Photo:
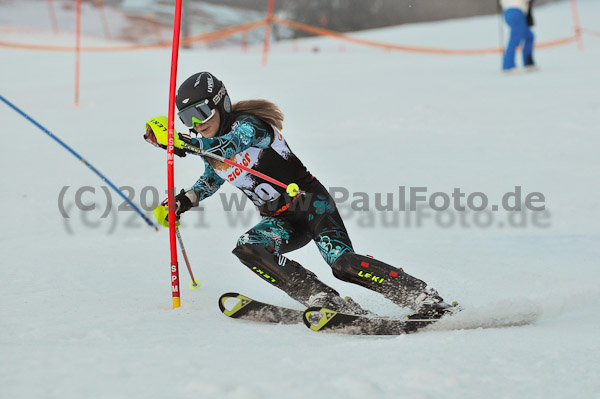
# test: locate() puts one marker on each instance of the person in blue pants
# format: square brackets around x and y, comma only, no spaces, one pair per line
[517,14]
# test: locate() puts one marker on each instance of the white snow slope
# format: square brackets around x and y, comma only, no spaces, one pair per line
[86,303]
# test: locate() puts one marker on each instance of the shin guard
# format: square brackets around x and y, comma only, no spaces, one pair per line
[283,273]
[393,283]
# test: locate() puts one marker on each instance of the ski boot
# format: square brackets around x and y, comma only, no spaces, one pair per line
[430,305]
[337,304]
[298,282]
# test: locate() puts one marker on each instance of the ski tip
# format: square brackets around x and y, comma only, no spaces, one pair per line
[242,301]
[224,297]
[316,318]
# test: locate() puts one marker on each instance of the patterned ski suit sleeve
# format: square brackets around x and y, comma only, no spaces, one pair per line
[208,184]
[248,131]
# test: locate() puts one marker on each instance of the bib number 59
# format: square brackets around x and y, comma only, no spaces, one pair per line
[262,193]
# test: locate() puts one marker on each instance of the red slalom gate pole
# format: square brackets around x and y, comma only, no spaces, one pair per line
[103,19]
[576,24]
[53,16]
[245,42]
[150,17]
[268,23]
[171,158]
[77,51]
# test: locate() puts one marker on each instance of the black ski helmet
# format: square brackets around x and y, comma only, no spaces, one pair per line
[204,86]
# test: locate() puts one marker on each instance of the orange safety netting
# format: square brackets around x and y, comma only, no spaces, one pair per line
[214,35]
[233,30]
[373,43]
[555,43]
[413,49]
[591,32]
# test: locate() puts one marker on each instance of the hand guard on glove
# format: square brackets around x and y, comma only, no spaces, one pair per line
[157,134]
[184,201]
[151,138]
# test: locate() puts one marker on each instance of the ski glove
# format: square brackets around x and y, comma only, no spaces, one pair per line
[158,127]
[151,138]
[161,213]
[183,202]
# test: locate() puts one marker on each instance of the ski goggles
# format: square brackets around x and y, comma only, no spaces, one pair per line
[196,113]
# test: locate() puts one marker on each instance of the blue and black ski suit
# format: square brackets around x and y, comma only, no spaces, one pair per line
[289,223]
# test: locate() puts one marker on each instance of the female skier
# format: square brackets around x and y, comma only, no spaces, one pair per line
[248,133]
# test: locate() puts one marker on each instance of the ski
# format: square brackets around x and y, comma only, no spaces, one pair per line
[328,321]
[325,320]
[249,309]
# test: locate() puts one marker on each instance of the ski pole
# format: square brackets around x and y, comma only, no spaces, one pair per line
[89,165]
[159,123]
[292,188]
[194,284]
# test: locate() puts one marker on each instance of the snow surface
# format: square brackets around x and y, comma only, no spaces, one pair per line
[86,302]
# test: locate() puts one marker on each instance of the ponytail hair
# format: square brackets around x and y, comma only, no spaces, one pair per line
[262,109]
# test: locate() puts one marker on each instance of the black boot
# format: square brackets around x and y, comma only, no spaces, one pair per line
[299,283]
[397,286]
[337,304]
[430,305]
